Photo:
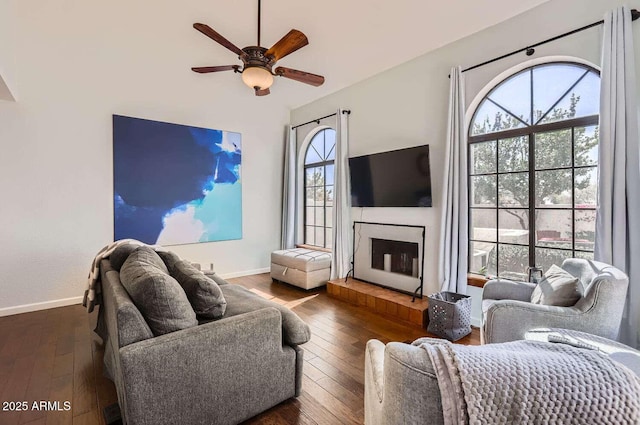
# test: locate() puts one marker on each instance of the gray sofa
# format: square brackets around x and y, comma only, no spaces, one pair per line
[507,313]
[220,372]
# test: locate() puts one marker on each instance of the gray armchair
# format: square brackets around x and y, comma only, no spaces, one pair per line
[507,313]
[401,386]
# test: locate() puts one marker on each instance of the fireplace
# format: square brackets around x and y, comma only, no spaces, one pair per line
[389,255]
[395,256]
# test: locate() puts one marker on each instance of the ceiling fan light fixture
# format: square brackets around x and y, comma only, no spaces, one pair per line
[257,76]
[257,61]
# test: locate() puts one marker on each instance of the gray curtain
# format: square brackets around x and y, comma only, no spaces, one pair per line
[289,192]
[452,270]
[618,216]
[342,232]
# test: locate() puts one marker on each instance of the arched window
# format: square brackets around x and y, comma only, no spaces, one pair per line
[318,188]
[533,152]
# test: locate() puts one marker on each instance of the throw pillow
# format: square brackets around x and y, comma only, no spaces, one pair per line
[120,255]
[203,293]
[558,288]
[158,296]
[168,257]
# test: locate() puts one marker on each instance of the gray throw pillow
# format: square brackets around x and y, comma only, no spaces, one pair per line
[294,330]
[158,296]
[120,255]
[203,293]
[558,288]
[169,258]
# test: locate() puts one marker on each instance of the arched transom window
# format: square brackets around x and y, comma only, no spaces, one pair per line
[318,188]
[533,151]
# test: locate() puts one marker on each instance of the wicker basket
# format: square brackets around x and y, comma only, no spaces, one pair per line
[449,315]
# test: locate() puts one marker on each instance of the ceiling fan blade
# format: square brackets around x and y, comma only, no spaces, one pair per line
[215,36]
[302,76]
[288,44]
[207,69]
[262,92]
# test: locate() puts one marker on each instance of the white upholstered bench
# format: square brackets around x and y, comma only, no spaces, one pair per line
[301,267]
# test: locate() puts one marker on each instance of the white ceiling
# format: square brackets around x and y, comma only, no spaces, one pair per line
[152,43]
[349,40]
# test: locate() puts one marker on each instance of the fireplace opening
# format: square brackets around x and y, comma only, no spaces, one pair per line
[395,256]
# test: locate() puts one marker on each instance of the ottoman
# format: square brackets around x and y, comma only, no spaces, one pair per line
[301,267]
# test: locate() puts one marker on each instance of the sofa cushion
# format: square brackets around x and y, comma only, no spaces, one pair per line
[240,300]
[203,293]
[159,297]
[120,255]
[558,288]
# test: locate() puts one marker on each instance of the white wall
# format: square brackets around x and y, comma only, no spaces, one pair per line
[407,105]
[5,92]
[72,65]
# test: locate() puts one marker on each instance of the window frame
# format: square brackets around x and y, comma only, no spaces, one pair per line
[323,163]
[528,131]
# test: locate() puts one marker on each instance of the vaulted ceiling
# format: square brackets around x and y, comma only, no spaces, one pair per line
[152,43]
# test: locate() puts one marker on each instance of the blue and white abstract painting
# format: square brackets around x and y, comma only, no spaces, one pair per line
[175,184]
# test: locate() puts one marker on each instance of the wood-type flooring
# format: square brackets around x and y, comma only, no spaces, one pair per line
[53,355]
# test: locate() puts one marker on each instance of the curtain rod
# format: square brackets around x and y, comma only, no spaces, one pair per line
[635,14]
[317,120]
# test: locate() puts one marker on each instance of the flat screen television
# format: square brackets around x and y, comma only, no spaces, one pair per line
[399,178]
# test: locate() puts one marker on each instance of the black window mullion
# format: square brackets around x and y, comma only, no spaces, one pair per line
[562,97]
[324,206]
[510,244]
[497,154]
[538,128]
[469,204]
[573,191]
[304,213]
[314,148]
[318,164]
[497,209]
[531,93]
[507,111]
[324,145]
[532,197]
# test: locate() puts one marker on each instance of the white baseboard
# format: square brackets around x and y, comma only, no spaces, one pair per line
[245,273]
[476,321]
[8,311]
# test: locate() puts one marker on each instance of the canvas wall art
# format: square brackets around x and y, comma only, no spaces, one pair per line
[175,184]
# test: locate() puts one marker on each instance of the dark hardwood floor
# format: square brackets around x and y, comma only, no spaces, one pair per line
[53,355]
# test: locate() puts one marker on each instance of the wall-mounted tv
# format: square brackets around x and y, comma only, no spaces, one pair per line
[399,178]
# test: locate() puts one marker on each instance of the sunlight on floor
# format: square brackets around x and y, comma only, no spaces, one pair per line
[289,304]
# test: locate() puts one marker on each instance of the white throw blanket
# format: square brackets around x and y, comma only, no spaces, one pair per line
[91,294]
[531,382]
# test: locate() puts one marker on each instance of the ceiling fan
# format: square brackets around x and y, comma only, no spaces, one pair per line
[257,61]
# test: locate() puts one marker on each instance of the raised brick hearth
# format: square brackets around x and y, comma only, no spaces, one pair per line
[383,301]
